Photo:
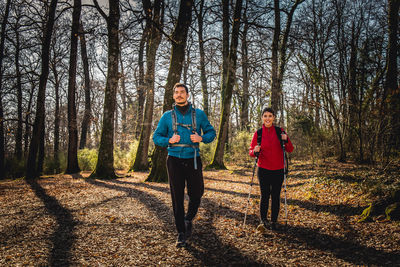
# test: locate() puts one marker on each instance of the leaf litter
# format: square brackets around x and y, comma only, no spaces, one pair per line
[63,220]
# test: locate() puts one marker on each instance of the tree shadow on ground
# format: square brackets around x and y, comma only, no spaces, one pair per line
[14,234]
[345,249]
[205,240]
[63,237]
[166,190]
[225,180]
[205,244]
[339,209]
[160,210]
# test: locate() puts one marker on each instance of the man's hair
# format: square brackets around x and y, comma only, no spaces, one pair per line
[181,85]
[269,109]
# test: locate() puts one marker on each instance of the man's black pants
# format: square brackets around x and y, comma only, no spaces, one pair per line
[181,172]
[270,185]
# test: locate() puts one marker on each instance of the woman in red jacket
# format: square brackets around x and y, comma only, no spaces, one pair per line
[270,165]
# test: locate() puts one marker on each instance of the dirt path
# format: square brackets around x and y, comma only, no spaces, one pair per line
[62,221]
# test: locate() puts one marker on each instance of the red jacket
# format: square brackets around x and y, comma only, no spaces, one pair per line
[271,156]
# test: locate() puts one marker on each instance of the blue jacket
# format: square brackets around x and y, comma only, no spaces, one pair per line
[165,131]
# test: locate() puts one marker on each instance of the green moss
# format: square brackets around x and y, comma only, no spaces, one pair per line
[393,211]
[366,214]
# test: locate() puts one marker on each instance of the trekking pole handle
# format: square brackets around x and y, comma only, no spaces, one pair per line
[257,154]
[286,139]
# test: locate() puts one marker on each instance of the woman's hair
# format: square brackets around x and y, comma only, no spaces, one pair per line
[270,110]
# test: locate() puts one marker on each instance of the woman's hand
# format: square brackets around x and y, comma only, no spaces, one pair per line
[257,148]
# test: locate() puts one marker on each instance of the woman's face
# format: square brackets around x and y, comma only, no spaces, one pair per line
[268,118]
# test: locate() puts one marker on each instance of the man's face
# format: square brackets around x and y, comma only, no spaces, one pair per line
[180,96]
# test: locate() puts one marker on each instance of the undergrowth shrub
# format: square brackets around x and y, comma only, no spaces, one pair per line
[14,168]
[239,149]
[123,159]
[87,159]
[207,152]
[52,166]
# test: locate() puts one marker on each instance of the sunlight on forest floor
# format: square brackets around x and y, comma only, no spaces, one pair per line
[69,220]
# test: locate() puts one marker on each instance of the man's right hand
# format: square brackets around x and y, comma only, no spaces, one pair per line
[174,139]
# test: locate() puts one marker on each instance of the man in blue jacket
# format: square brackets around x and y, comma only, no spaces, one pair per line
[181,130]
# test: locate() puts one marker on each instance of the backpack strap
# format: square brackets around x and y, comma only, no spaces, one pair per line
[174,121]
[259,136]
[194,123]
[282,142]
[278,131]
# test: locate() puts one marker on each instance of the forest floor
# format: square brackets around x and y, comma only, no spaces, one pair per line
[68,220]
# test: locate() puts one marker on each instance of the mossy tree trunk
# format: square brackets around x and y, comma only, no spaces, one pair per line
[179,37]
[38,126]
[105,162]
[72,160]
[141,162]
[227,90]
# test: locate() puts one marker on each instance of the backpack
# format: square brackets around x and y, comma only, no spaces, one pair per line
[187,126]
[278,131]
[175,122]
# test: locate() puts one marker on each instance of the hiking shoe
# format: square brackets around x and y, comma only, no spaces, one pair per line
[181,242]
[188,227]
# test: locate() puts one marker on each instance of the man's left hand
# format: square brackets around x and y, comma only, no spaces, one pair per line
[196,138]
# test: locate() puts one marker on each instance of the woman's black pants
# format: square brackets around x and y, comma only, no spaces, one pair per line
[270,185]
[181,172]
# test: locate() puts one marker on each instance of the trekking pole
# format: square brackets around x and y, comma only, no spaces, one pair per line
[284,178]
[251,186]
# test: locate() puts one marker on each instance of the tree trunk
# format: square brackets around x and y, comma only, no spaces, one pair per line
[203,76]
[124,109]
[283,58]
[56,121]
[244,100]
[353,91]
[218,158]
[27,134]
[87,113]
[3,37]
[391,85]
[275,92]
[105,162]
[18,136]
[31,171]
[141,162]
[72,161]
[179,37]
[141,88]
[225,44]
[41,153]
